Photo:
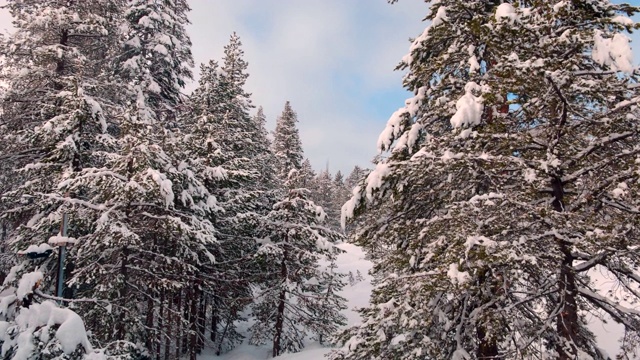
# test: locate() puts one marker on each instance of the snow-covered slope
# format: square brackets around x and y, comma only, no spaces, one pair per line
[356,293]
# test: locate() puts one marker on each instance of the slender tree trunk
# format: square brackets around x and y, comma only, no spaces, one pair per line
[149,323]
[201,320]
[170,319]
[193,322]
[277,338]
[186,311]
[487,344]
[488,347]
[178,322]
[214,319]
[567,319]
[125,291]
[222,336]
[161,317]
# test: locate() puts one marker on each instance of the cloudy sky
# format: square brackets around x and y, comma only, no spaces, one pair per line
[333,59]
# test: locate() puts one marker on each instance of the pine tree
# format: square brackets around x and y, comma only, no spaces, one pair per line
[324,195]
[296,295]
[329,302]
[157,50]
[503,123]
[266,160]
[237,144]
[151,234]
[54,112]
[355,177]
[341,194]
[303,178]
[287,146]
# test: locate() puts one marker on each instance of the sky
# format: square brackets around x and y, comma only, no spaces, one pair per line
[333,59]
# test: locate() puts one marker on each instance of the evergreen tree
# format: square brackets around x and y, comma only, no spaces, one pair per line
[503,123]
[324,195]
[266,160]
[329,302]
[304,178]
[156,54]
[54,113]
[354,178]
[149,213]
[238,147]
[341,194]
[296,295]
[287,146]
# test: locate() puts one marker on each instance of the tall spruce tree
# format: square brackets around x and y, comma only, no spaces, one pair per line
[287,146]
[54,113]
[149,213]
[157,49]
[266,160]
[324,195]
[237,145]
[530,111]
[296,297]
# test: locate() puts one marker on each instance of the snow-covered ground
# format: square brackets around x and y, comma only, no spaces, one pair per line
[357,296]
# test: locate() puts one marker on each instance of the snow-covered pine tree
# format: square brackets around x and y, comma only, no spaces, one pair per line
[329,302]
[529,111]
[153,233]
[355,177]
[157,49]
[324,194]
[287,146]
[238,144]
[266,160]
[296,296]
[304,178]
[54,112]
[341,194]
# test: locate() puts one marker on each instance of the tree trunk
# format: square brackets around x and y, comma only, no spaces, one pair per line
[149,322]
[158,338]
[277,338]
[214,319]
[170,317]
[567,319]
[202,313]
[186,311]
[125,291]
[193,323]
[488,347]
[178,322]
[487,344]
[224,333]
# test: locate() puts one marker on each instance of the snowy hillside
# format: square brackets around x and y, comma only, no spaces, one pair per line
[357,295]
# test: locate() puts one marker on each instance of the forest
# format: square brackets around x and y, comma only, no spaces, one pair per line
[500,217]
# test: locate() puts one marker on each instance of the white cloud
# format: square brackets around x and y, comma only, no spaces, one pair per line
[307,52]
